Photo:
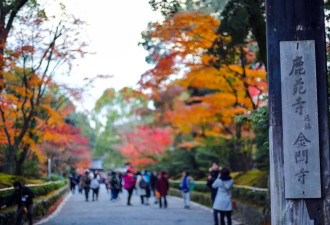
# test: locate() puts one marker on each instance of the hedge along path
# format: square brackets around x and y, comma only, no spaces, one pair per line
[42,206]
[235,186]
[33,185]
[38,189]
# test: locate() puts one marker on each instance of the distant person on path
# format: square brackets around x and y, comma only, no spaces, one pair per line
[213,175]
[162,186]
[223,202]
[141,186]
[78,182]
[95,186]
[120,179]
[115,186]
[147,176]
[23,197]
[129,184]
[153,180]
[72,180]
[84,183]
[185,184]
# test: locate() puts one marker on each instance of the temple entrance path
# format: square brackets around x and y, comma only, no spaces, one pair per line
[76,211]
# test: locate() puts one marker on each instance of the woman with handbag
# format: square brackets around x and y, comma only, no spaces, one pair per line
[223,203]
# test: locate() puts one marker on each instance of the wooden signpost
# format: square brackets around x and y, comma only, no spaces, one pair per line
[300,120]
[298,109]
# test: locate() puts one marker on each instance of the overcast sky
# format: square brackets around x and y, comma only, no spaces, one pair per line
[114,30]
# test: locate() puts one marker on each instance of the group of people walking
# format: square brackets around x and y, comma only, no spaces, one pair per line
[155,186]
[147,185]
[91,181]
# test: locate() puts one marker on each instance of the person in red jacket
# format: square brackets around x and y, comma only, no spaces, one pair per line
[129,185]
[162,187]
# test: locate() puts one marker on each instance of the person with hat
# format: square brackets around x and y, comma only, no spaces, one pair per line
[23,197]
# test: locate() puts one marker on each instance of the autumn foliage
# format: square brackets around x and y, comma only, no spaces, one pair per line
[142,146]
[33,106]
[216,91]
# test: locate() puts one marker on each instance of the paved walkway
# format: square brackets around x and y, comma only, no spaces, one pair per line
[103,212]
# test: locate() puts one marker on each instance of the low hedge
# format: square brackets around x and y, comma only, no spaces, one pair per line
[257,198]
[41,207]
[253,178]
[201,198]
[254,197]
[200,186]
[37,190]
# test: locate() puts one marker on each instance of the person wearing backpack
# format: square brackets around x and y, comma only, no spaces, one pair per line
[95,186]
[141,186]
[146,175]
[186,186]
[115,186]
[84,183]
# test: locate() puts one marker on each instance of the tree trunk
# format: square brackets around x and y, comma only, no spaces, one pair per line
[20,161]
[10,160]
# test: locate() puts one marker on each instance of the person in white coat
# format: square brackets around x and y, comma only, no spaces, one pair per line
[141,186]
[223,203]
[95,186]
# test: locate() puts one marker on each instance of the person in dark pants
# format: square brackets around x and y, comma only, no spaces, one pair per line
[95,186]
[223,203]
[129,184]
[153,180]
[114,185]
[162,187]
[213,175]
[72,183]
[23,197]
[85,182]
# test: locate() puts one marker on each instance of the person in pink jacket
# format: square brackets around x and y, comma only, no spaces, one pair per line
[129,184]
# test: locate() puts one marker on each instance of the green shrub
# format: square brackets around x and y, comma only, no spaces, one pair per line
[201,194]
[257,198]
[37,190]
[253,178]
[7,180]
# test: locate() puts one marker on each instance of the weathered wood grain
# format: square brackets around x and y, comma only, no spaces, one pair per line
[289,20]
